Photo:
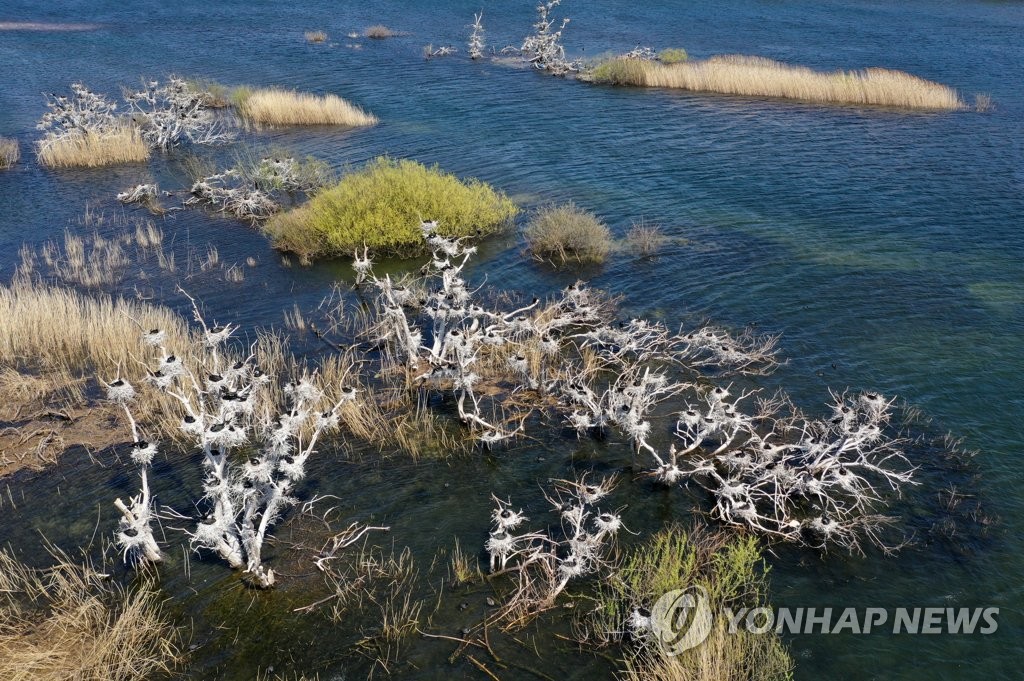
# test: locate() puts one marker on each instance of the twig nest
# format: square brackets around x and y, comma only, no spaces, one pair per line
[120,391]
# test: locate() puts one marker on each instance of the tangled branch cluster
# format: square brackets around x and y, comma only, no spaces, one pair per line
[255,446]
[544,47]
[248,191]
[476,38]
[166,115]
[544,562]
[174,112]
[774,471]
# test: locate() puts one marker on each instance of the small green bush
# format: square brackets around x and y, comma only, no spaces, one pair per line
[673,55]
[567,233]
[619,71]
[381,206]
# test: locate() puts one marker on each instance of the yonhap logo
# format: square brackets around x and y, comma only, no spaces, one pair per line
[681,619]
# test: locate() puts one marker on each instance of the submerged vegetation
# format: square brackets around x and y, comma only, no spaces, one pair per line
[760,77]
[381,206]
[277,107]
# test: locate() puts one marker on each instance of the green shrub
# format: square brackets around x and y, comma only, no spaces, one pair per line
[619,71]
[567,233]
[673,55]
[381,206]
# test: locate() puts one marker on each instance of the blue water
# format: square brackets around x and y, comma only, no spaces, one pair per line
[885,246]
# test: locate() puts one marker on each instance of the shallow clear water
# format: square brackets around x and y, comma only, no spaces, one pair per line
[884,246]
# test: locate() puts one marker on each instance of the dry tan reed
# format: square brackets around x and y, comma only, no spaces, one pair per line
[761,77]
[9,152]
[316,36]
[286,107]
[94,149]
[379,32]
[53,331]
[68,624]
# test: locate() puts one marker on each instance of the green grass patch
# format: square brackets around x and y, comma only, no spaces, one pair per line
[619,71]
[731,571]
[381,206]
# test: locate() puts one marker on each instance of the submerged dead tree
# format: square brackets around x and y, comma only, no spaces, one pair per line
[255,436]
[544,47]
[476,38]
[174,112]
[255,190]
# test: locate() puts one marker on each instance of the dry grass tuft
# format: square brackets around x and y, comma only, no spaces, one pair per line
[463,568]
[316,36]
[379,32]
[274,106]
[567,233]
[9,152]
[761,77]
[94,149]
[67,623]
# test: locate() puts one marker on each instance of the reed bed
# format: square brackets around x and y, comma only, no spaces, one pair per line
[57,331]
[276,107]
[9,152]
[761,77]
[91,149]
[65,623]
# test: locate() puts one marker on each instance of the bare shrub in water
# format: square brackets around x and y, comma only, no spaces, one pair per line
[543,48]
[566,234]
[476,38]
[768,467]
[645,239]
[316,36]
[379,32]
[227,405]
[83,130]
[172,113]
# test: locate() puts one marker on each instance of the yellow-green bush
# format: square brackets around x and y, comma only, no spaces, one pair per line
[619,71]
[672,55]
[382,204]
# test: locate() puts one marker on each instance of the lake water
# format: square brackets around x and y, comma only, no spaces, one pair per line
[884,246]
